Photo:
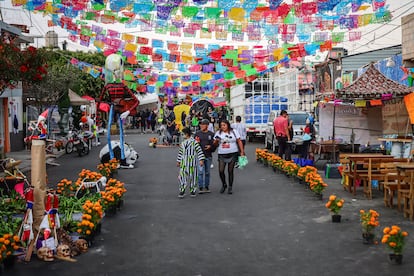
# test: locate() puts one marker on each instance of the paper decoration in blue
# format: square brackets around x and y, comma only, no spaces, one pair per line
[157,43]
[250,5]
[142,8]
[182,67]
[226,5]
[274,4]
[200,2]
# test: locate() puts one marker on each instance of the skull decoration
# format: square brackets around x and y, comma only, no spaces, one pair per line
[45,254]
[82,245]
[63,251]
[114,68]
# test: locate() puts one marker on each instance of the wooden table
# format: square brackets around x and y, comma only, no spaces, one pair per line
[356,158]
[325,150]
[402,170]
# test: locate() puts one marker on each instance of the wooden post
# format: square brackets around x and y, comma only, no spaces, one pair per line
[38,179]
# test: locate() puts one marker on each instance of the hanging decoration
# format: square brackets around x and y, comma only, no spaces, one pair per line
[292,30]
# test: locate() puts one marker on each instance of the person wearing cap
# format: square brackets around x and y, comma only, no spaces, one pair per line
[206,138]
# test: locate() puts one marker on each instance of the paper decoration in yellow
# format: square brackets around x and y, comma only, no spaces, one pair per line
[360,103]
[237,14]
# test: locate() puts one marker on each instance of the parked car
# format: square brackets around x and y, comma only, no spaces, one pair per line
[299,123]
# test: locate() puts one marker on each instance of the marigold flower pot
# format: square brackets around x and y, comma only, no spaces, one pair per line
[119,204]
[368,238]
[395,258]
[319,196]
[336,218]
[9,262]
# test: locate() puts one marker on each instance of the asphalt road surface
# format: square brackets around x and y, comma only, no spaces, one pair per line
[270,225]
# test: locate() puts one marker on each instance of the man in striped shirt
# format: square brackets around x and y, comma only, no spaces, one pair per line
[189,154]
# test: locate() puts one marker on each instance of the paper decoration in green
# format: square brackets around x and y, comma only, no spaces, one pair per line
[290,18]
[212,13]
[228,75]
[189,11]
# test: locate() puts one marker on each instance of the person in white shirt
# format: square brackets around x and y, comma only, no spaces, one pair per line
[241,129]
[228,142]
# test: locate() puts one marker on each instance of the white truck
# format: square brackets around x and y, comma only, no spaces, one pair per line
[254,101]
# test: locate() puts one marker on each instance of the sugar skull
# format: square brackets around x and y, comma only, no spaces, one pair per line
[82,245]
[63,251]
[114,68]
[45,254]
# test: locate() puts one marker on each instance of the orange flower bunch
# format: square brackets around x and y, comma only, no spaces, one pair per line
[66,187]
[303,171]
[394,238]
[335,204]
[8,244]
[316,183]
[290,167]
[261,154]
[89,175]
[113,193]
[92,215]
[369,220]
[106,169]
[59,145]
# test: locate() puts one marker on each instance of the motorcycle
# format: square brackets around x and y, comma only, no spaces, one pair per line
[70,138]
[81,141]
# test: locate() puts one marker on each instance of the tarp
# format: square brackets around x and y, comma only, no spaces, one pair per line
[147,98]
[201,106]
[373,85]
[75,99]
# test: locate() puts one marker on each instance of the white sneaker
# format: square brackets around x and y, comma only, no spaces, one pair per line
[212,166]
[128,166]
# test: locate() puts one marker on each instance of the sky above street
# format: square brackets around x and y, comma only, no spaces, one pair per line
[375,36]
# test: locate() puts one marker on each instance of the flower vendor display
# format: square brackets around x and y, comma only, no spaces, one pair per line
[394,239]
[316,183]
[304,171]
[66,187]
[91,218]
[108,169]
[9,243]
[153,142]
[369,221]
[335,205]
[276,162]
[112,196]
[290,168]
[261,155]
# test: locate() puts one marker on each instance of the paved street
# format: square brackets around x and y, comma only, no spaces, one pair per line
[269,226]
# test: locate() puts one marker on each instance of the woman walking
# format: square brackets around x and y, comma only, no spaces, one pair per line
[228,142]
[189,154]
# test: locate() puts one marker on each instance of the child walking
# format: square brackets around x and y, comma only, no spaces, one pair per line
[189,154]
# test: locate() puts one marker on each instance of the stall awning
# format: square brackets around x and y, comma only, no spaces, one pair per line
[75,99]
[373,85]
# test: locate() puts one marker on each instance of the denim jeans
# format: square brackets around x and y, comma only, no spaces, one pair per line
[204,173]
